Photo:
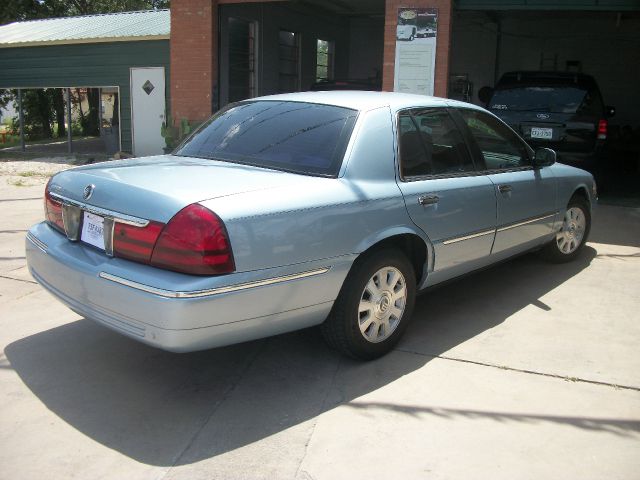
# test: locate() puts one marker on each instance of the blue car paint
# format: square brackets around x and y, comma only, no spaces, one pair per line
[281,224]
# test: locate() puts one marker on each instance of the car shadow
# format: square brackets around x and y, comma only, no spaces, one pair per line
[174,409]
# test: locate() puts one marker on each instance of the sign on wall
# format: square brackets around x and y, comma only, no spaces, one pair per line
[416,33]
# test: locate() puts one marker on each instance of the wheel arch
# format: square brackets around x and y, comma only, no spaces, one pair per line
[415,245]
[582,192]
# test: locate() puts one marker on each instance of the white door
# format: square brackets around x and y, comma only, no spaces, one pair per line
[147,110]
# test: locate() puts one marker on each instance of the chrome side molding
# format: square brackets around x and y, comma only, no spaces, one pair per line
[212,291]
[531,220]
[37,242]
[468,237]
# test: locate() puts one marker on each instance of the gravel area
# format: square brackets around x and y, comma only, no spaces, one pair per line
[27,173]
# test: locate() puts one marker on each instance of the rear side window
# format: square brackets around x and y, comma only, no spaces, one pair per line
[291,136]
[430,144]
[547,98]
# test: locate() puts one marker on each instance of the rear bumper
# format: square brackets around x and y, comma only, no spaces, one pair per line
[178,312]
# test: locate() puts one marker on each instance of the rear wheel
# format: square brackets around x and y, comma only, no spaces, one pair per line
[570,239]
[374,306]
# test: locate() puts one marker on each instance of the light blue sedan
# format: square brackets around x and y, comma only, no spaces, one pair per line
[288,211]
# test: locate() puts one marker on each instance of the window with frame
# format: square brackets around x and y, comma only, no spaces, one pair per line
[289,62]
[324,60]
[242,59]
[431,144]
[500,147]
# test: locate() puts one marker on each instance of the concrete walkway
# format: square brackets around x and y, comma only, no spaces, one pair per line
[524,371]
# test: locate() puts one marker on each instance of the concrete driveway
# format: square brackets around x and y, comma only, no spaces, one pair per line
[524,371]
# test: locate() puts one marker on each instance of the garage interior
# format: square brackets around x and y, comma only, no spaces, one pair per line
[603,44]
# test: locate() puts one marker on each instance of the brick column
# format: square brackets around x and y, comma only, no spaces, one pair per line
[443,41]
[194,59]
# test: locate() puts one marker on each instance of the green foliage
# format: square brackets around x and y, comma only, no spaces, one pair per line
[19,10]
[174,135]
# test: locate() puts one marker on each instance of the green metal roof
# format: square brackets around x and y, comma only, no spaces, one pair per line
[110,27]
[580,5]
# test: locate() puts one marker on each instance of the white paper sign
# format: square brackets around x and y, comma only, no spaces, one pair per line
[415,61]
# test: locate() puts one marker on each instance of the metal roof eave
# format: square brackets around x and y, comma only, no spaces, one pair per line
[76,41]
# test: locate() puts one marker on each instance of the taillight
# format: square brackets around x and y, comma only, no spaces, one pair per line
[135,243]
[602,129]
[194,241]
[53,209]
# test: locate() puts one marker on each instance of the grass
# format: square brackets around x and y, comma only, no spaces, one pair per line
[17,183]
[31,173]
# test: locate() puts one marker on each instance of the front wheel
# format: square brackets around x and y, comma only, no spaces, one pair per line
[374,306]
[571,238]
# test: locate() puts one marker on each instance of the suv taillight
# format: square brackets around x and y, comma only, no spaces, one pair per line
[53,209]
[602,129]
[195,241]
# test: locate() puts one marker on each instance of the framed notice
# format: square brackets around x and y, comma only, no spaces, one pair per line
[416,34]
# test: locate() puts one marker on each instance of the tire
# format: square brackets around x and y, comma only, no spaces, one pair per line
[385,282]
[570,240]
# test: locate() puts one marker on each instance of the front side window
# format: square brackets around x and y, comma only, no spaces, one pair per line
[291,136]
[500,147]
[430,144]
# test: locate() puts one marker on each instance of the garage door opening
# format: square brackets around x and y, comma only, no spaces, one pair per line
[605,45]
[82,120]
[279,47]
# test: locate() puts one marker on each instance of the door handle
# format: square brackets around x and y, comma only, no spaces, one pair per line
[504,188]
[428,199]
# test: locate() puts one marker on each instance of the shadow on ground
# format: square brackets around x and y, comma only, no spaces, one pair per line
[168,409]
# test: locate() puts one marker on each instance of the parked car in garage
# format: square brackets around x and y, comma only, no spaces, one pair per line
[559,110]
[406,32]
[288,211]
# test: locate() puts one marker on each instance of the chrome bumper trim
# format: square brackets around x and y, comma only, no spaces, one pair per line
[468,237]
[508,227]
[212,291]
[37,242]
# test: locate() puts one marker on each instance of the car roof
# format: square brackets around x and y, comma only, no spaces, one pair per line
[365,100]
[528,77]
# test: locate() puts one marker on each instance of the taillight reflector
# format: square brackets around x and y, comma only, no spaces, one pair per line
[194,241]
[602,129]
[53,210]
[135,243]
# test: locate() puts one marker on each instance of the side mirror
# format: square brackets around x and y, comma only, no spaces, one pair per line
[544,157]
[609,111]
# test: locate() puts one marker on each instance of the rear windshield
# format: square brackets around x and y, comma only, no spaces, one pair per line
[556,99]
[292,136]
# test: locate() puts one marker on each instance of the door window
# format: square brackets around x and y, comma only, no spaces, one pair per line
[500,147]
[430,144]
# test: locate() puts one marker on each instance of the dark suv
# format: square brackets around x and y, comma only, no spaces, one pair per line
[559,110]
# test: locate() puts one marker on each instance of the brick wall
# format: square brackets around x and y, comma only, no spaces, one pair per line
[193,58]
[442,47]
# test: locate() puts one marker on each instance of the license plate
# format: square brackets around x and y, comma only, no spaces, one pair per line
[92,228]
[545,133]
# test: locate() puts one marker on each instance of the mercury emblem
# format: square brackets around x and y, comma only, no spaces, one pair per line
[88,191]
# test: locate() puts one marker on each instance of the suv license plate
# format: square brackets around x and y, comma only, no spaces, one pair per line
[545,133]
[92,228]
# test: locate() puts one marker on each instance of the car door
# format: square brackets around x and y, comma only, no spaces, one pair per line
[526,197]
[443,191]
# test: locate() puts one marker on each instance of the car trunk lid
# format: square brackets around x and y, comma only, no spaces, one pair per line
[155,188]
